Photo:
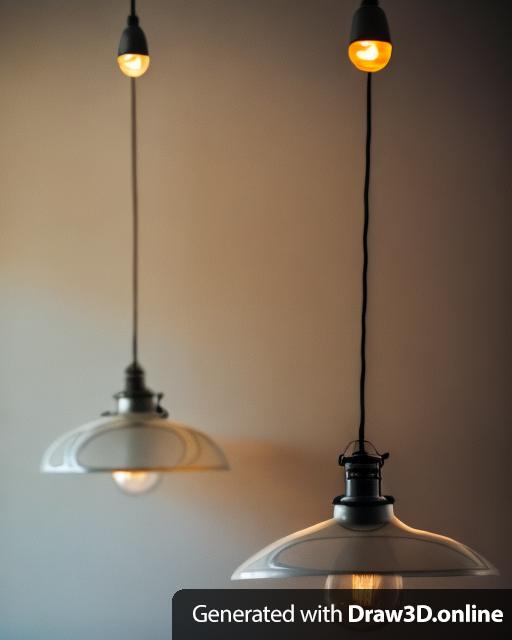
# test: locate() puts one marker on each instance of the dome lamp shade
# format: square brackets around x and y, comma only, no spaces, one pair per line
[364,537]
[137,437]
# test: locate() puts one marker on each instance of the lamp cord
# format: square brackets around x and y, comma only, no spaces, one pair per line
[135,222]
[362,383]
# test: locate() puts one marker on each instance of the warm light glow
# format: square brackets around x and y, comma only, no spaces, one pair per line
[133,64]
[368,589]
[135,482]
[370,55]
[366,581]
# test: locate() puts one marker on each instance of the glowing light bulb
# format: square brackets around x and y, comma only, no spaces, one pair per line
[133,65]
[135,482]
[366,589]
[370,55]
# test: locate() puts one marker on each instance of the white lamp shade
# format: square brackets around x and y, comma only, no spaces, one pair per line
[333,548]
[133,442]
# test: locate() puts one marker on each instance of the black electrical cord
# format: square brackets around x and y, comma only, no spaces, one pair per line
[135,223]
[362,383]
[132,3]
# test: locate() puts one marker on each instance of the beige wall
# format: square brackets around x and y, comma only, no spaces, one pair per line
[251,134]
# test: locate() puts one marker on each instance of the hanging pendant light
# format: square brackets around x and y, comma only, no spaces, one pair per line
[136,441]
[370,41]
[133,53]
[364,546]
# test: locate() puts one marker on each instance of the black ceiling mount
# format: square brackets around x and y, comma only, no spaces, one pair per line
[370,23]
[136,397]
[363,477]
[133,39]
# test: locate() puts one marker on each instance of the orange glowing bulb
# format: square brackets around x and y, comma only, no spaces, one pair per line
[133,65]
[370,55]
[367,589]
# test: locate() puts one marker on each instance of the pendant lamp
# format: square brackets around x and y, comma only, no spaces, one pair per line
[364,546]
[136,441]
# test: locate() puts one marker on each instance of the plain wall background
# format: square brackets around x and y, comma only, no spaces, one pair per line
[251,125]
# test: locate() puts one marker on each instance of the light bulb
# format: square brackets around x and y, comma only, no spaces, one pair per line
[133,65]
[369,590]
[135,482]
[370,55]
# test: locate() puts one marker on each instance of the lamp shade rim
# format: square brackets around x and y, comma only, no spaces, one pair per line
[133,442]
[332,548]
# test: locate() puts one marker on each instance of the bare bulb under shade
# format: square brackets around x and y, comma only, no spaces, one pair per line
[370,55]
[369,590]
[133,65]
[135,483]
